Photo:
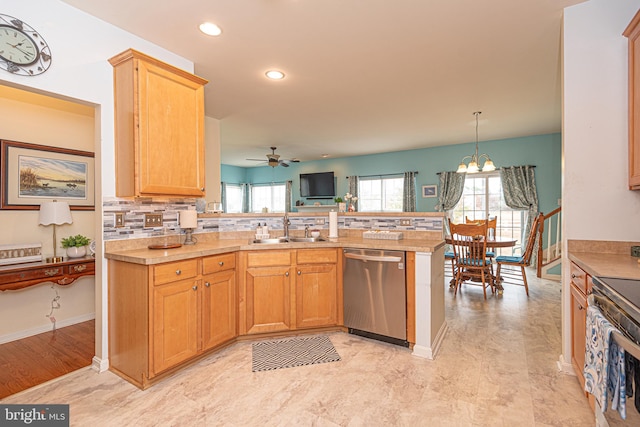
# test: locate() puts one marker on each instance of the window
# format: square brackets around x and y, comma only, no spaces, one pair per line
[270,196]
[482,198]
[377,194]
[233,196]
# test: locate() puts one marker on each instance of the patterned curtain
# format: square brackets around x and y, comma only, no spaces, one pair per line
[353,189]
[519,189]
[246,197]
[287,197]
[451,188]
[409,192]
[223,195]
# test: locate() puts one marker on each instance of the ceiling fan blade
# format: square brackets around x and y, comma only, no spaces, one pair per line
[283,163]
[256,160]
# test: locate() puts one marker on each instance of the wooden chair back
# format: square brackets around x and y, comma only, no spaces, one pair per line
[491,224]
[469,243]
[531,240]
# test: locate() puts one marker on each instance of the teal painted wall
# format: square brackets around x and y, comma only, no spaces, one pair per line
[543,151]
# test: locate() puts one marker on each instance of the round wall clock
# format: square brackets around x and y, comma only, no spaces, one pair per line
[23,51]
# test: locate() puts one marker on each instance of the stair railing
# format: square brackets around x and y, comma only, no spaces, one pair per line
[549,250]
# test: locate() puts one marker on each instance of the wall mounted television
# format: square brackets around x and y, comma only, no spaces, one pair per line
[320,185]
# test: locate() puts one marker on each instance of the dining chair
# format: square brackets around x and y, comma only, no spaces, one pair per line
[469,243]
[521,261]
[491,225]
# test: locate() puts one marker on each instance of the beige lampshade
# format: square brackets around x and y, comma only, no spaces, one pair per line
[57,213]
[189,219]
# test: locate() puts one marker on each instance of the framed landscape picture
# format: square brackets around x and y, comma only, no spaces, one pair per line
[33,174]
[429,191]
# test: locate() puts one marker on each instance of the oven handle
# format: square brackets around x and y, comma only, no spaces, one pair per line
[628,345]
[620,339]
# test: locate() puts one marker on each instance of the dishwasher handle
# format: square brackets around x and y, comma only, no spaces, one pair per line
[373,257]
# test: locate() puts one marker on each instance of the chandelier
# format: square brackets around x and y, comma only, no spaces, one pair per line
[473,166]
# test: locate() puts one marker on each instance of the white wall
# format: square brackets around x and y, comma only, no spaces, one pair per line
[596,202]
[80,71]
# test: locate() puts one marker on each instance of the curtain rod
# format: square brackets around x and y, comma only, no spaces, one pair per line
[531,166]
[382,174]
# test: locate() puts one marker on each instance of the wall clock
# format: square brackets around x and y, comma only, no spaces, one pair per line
[23,51]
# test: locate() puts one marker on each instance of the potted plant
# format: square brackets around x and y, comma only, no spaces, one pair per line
[76,246]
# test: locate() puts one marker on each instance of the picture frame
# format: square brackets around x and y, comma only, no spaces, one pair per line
[32,174]
[429,191]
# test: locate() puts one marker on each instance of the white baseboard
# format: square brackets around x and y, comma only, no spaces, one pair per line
[564,367]
[431,352]
[99,365]
[45,328]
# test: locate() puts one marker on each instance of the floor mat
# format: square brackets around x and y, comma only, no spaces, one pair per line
[290,352]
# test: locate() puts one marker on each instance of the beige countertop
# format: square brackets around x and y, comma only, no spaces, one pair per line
[212,247]
[607,265]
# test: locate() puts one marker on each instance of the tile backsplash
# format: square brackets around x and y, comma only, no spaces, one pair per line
[134,211]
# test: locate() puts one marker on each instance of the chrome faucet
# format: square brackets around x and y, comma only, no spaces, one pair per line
[286,223]
[306,231]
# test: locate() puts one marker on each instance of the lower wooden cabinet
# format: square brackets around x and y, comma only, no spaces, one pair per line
[288,289]
[580,287]
[163,315]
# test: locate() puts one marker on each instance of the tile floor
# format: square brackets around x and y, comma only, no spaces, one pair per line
[497,367]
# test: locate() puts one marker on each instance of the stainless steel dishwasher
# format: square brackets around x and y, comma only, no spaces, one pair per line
[375,296]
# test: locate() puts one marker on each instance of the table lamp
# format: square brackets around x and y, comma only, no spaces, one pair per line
[56,213]
[189,221]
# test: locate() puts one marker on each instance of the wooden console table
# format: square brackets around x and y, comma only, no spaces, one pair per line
[18,276]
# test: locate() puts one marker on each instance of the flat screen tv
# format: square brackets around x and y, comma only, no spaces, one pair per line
[317,185]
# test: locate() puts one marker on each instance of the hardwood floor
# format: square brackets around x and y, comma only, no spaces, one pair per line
[34,360]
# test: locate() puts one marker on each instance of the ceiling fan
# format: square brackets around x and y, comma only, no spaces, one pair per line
[274,159]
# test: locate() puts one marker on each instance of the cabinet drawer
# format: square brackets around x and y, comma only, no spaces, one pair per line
[214,264]
[172,271]
[85,267]
[317,256]
[579,278]
[268,258]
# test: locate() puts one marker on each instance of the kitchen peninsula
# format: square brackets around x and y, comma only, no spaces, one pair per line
[170,307]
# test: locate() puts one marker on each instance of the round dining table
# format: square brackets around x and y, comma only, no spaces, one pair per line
[493,243]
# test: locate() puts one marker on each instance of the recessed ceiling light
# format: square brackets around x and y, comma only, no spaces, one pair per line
[210,29]
[275,74]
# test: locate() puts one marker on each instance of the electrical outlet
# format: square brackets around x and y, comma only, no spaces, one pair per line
[406,221]
[319,221]
[119,219]
[635,251]
[152,220]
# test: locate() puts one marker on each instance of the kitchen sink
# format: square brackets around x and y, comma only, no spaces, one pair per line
[288,240]
[305,239]
[271,241]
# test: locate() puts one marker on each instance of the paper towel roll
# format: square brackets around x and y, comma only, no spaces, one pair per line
[333,224]
[189,219]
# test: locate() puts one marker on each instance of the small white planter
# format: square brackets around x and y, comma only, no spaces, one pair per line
[76,251]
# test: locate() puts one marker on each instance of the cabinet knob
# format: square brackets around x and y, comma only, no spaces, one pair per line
[178,272]
[299,272]
[221,263]
[286,274]
[202,189]
[194,287]
[580,307]
[207,284]
[573,276]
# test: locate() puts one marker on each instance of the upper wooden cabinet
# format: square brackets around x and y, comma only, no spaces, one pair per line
[633,33]
[159,116]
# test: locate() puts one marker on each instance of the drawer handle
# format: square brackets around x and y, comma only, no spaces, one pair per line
[51,272]
[221,263]
[178,272]
[194,287]
[207,284]
[79,268]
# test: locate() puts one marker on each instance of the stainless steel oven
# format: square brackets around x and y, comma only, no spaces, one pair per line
[619,301]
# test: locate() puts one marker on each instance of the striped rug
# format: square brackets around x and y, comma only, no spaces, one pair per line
[290,352]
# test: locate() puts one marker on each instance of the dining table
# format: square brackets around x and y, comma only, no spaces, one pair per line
[492,243]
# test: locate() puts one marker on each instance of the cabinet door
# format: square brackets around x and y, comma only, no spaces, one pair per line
[171,133]
[316,295]
[219,318]
[578,331]
[175,323]
[268,299]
